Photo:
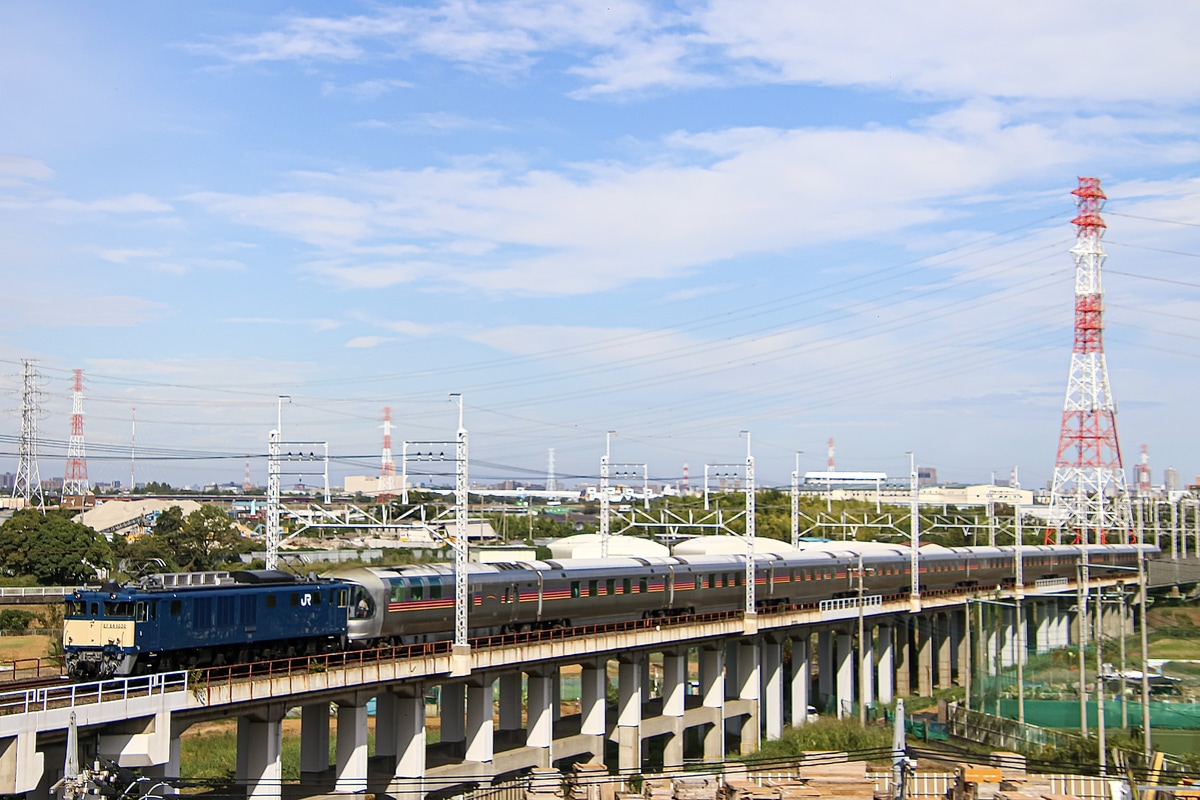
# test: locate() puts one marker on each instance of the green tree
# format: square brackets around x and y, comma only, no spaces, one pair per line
[206,538]
[52,548]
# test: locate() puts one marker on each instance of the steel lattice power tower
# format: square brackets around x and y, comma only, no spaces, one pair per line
[75,479]
[387,467]
[28,482]
[1089,499]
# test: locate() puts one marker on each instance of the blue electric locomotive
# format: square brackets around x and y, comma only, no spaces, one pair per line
[167,622]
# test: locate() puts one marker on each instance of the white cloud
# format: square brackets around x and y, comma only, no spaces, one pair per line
[69,310]
[940,48]
[18,171]
[364,91]
[711,196]
[363,342]
[123,255]
[126,204]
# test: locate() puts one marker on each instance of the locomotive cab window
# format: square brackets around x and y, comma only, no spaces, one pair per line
[139,612]
[177,608]
[362,604]
[118,609]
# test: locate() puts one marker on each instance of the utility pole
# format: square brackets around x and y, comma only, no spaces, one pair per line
[604,499]
[914,600]
[1081,607]
[461,497]
[1022,641]
[1147,742]
[796,503]
[751,603]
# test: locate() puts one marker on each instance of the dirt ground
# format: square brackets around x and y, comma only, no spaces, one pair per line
[13,648]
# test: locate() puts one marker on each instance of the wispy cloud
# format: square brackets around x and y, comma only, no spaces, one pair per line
[363,342]
[315,324]
[942,49]
[435,123]
[364,91]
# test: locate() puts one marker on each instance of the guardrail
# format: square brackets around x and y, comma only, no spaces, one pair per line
[846,607]
[117,689]
[54,592]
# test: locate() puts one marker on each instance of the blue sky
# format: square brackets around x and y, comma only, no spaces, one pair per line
[672,220]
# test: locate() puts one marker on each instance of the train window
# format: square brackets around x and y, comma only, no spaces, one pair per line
[72,609]
[627,586]
[574,589]
[593,588]
[177,607]
[95,610]
[610,587]
[643,586]
[294,599]
[316,598]
[738,579]
[154,610]
[792,576]
[270,601]
[435,589]
[712,581]
[343,598]
[416,591]
[139,612]
[398,593]
[118,609]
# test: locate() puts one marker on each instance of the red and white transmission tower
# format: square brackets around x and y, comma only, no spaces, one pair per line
[831,461]
[75,479]
[1142,472]
[387,469]
[1089,498]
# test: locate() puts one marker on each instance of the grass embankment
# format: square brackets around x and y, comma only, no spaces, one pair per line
[873,742]
[208,752]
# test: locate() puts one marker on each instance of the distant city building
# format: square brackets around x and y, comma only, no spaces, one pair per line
[1171,480]
[927,476]
[7,481]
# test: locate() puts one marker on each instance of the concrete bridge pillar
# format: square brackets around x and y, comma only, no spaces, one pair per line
[629,712]
[674,688]
[900,637]
[924,655]
[748,689]
[511,701]
[260,743]
[772,687]
[169,772]
[844,662]
[1008,637]
[556,695]
[351,746]
[539,731]
[887,665]
[866,664]
[314,741]
[959,619]
[480,730]
[991,641]
[712,689]
[801,678]
[408,778]
[593,699]
[945,663]
[825,665]
[454,710]
[385,725]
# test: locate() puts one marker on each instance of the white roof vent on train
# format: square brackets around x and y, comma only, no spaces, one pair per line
[730,545]
[587,545]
